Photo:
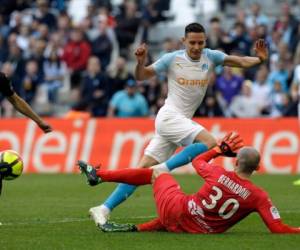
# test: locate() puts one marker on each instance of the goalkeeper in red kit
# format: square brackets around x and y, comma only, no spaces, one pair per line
[225,198]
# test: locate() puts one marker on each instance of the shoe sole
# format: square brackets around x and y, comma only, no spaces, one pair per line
[83,170]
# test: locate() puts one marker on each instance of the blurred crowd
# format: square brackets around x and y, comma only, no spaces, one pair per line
[70,69]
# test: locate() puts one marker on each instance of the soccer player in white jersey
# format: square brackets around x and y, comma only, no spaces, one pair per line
[188,73]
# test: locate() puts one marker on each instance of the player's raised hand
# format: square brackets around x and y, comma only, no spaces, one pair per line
[261,50]
[230,144]
[141,54]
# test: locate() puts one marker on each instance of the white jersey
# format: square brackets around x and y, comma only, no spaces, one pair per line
[187,78]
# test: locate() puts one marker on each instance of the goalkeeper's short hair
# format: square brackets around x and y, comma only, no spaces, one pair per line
[248,159]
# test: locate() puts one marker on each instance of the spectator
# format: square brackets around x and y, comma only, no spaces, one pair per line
[54,72]
[282,53]
[128,102]
[256,17]
[102,46]
[210,107]
[30,81]
[7,108]
[9,71]
[4,28]
[216,37]
[168,46]
[43,14]
[295,88]
[289,106]
[42,32]
[76,51]
[3,50]
[37,53]
[287,25]
[16,59]
[245,104]
[240,41]
[95,89]
[281,75]
[127,25]
[118,75]
[277,99]
[261,89]
[228,85]
[23,37]
[152,13]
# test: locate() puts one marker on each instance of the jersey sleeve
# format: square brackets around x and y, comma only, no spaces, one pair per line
[163,63]
[201,165]
[271,217]
[216,56]
[5,86]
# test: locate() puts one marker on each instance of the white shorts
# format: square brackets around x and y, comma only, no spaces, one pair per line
[171,131]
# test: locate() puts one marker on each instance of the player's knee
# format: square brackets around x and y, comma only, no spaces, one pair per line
[207,139]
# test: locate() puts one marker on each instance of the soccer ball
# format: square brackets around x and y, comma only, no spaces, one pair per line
[15,161]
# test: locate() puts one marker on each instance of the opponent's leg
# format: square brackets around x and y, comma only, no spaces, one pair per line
[100,214]
[157,151]
[202,142]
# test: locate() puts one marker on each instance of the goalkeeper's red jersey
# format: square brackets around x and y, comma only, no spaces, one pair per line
[221,202]
[225,199]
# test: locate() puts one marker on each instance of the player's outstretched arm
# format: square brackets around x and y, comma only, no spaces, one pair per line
[23,107]
[261,51]
[271,217]
[141,71]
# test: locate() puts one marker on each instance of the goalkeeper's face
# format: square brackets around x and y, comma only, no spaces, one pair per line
[194,44]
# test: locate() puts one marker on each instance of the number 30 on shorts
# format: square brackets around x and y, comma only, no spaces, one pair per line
[214,199]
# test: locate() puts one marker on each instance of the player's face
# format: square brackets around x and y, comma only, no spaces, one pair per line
[194,43]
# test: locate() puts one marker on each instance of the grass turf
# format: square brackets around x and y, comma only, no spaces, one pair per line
[50,212]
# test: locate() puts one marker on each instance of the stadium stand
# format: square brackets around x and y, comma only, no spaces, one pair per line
[45,47]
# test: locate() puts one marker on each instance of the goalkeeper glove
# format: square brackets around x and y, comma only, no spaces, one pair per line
[230,144]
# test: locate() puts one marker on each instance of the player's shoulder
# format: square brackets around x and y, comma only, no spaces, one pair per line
[172,54]
[211,52]
[216,56]
[259,193]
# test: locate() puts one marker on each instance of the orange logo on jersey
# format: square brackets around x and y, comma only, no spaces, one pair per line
[198,82]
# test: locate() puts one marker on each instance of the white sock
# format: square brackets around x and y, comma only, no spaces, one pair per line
[162,167]
[105,209]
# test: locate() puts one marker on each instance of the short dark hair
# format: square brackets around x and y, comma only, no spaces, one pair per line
[215,20]
[194,27]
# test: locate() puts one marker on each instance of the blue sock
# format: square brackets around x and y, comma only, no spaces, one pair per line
[186,155]
[120,194]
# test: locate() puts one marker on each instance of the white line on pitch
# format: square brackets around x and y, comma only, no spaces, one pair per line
[68,220]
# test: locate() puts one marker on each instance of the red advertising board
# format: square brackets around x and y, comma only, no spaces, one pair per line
[119,143]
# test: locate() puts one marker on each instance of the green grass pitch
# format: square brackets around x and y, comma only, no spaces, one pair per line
[50,212]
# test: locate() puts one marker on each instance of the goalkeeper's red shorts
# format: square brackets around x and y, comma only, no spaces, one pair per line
[169,201]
